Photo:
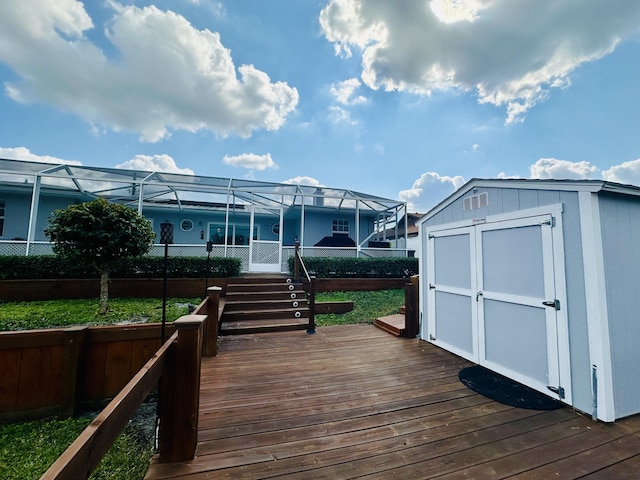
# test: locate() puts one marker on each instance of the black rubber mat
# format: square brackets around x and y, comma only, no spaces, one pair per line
[504,390]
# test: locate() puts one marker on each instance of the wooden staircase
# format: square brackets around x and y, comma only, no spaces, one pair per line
[259,304]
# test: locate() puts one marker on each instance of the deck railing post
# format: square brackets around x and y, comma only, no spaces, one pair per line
[312,305]
[74,344]
[411,308]
[181,393]
[296,262]
[211,325]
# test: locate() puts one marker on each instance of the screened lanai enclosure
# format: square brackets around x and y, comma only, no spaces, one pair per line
[258,222]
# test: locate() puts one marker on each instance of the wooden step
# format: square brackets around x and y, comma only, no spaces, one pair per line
[265,326]
[249,315]
[393,324]
[247,305]
[259,287]
[258,296]
[256,304]
[263,278]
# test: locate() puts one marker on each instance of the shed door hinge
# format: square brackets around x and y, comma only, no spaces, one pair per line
[430,236]
[557,390]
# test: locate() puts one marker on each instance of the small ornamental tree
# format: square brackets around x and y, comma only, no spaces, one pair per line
[98,233]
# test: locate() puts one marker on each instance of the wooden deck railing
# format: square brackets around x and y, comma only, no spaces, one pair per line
[175,369]
[177,366]
[60,371]
[311,289]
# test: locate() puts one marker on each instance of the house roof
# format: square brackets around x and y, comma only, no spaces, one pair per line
[160,189]
[412,230]
[593,186]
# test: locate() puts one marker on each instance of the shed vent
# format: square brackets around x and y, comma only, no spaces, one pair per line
[476,201]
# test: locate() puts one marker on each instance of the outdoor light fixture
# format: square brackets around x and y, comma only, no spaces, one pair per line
[166,232]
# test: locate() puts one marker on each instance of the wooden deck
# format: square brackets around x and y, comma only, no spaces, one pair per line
[356,402]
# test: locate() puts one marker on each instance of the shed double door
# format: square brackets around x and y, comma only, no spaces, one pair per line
[491,299]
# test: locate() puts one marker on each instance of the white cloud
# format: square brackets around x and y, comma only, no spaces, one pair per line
[428,190]
[166,74]
[344,92]
[452,11]
[503,175]
[338,115]
[509,52]
[155,163]
[546,168]
[303,180]
[23,153]
[250,161]
[626,173]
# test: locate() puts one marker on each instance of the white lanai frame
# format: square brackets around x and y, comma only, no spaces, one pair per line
[144,189]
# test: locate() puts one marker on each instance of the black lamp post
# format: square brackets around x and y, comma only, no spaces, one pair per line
[206,275]
[166,237]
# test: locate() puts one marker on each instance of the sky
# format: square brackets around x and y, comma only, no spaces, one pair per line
[404,99]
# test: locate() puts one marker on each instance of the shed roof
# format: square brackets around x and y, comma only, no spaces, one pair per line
[593,186]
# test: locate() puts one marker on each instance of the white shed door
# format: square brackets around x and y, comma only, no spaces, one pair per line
[516,301]
[491,299]
[452,318]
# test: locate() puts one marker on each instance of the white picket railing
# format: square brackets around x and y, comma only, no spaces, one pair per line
[19,247]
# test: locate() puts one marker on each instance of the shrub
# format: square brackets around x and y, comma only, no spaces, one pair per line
[341,267]
[49,266]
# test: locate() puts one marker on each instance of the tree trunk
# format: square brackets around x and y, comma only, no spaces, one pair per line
[104,292]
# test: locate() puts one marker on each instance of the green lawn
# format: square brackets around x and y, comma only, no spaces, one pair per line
[64,313]
[366,306]
[28,449]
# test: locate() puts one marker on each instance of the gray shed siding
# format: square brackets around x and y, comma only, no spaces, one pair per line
[620,224]
[505,200]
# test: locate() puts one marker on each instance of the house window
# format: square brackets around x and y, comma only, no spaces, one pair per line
[340,226]
[236,234]
[186,225]
[1,217]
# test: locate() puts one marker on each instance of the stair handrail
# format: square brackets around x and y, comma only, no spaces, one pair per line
[297,262]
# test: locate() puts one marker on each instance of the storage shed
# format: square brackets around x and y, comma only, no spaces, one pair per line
[538,280]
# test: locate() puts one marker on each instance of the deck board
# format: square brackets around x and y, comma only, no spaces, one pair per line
[355,402]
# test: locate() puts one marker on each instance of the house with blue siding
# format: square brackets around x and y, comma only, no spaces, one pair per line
[258,222]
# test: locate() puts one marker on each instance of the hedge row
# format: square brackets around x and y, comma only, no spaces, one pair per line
[50,266]
[340,267]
